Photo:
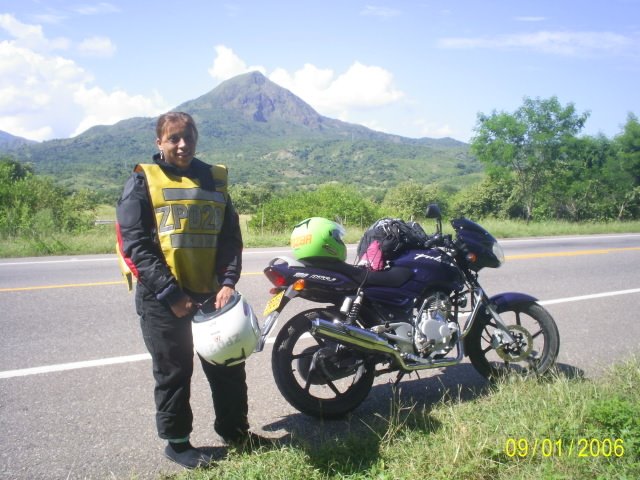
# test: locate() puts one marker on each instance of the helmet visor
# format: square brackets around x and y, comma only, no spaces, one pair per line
[338,233]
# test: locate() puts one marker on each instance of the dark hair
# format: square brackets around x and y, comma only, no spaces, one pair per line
[175,117]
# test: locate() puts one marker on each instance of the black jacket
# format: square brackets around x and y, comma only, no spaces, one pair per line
[139,242]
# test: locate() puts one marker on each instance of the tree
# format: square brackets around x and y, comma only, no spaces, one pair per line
[12,170]
[531,143]
[32,205]
[249,198]
[626,168]
[495,196]
[409,200]
[342,203]
[580,191]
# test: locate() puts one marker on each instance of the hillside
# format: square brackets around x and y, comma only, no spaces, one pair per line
[265,134]
[10,142]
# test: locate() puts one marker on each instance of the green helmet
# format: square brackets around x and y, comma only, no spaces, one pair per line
[318,237]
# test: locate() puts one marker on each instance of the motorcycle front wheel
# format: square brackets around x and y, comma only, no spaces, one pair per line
[534,352]
[316,376]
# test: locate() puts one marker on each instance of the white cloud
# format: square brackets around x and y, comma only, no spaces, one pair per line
[363,86]
[30,36]
[104,108]
[32,91]
[530,19]
[310,83]
[45,96]
[360,87]
[49,18]
[97,9]
[227,64]
[377,11]
[433,130]
[97,47]
[561,43]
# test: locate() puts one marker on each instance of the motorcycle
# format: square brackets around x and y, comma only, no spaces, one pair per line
[428,310]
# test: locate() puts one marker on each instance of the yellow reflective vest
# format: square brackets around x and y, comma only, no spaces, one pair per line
[188,220]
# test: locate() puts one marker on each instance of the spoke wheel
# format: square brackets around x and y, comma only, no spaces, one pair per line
[316,376]
[536,346]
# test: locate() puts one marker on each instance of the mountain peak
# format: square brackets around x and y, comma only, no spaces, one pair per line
[256,98]
[255,77]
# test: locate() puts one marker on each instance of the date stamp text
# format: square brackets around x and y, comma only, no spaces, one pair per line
[578,447]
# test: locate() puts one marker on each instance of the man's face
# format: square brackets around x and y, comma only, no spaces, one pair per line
[178,144]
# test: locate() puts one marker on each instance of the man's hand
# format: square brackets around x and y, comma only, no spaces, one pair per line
[223,296]
[183,307]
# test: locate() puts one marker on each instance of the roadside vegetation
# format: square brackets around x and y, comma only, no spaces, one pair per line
[101,239]
[540,178]
[562,427]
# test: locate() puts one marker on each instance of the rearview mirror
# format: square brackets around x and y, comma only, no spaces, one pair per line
[433,211]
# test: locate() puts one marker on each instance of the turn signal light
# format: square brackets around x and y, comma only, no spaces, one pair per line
[472,257]
[298,285]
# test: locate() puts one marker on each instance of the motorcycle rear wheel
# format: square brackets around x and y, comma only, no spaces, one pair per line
[312,390]
[538,342]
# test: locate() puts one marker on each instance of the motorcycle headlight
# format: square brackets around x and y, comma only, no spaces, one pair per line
[498,252]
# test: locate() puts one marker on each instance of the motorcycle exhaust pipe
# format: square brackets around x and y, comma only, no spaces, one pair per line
[370,342]
[353,336]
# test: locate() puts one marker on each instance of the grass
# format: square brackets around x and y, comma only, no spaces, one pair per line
[101,239]
[514,228]
[564,427]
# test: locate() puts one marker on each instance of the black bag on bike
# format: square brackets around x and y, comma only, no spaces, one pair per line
[386,239]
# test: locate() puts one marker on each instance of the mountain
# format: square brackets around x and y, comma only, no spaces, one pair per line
[265,134]
[269,108]
[10,142]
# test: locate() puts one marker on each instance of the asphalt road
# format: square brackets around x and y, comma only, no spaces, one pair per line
[75,380]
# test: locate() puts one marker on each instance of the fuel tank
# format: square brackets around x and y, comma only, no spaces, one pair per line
[432,269]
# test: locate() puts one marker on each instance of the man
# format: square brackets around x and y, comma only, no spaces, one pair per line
[180,236]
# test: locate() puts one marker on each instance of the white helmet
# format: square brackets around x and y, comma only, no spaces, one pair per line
[226,336]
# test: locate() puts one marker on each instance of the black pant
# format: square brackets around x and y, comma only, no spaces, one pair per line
[170,344]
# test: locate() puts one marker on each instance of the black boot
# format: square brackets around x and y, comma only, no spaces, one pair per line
[186,455]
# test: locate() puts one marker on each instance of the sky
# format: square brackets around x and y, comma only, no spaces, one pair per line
[421,68]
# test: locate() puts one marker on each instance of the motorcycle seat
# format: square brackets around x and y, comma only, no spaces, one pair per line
[393,277]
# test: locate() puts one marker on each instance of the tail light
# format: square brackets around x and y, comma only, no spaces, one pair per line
[276,278]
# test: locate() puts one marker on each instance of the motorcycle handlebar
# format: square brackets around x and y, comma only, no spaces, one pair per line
[432,241]
[439,240]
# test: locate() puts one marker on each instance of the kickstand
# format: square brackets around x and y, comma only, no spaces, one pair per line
[398,378]
[401,376]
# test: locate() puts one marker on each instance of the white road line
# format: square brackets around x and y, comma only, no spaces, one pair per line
[590,297]
[145,356]
[64,260]
[74,366]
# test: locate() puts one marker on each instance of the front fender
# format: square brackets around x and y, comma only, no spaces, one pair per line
[504,301]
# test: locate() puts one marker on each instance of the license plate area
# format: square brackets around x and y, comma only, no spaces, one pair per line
[273,304]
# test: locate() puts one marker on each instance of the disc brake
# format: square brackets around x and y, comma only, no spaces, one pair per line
[517,351]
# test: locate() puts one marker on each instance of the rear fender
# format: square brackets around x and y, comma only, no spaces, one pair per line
[272,318]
